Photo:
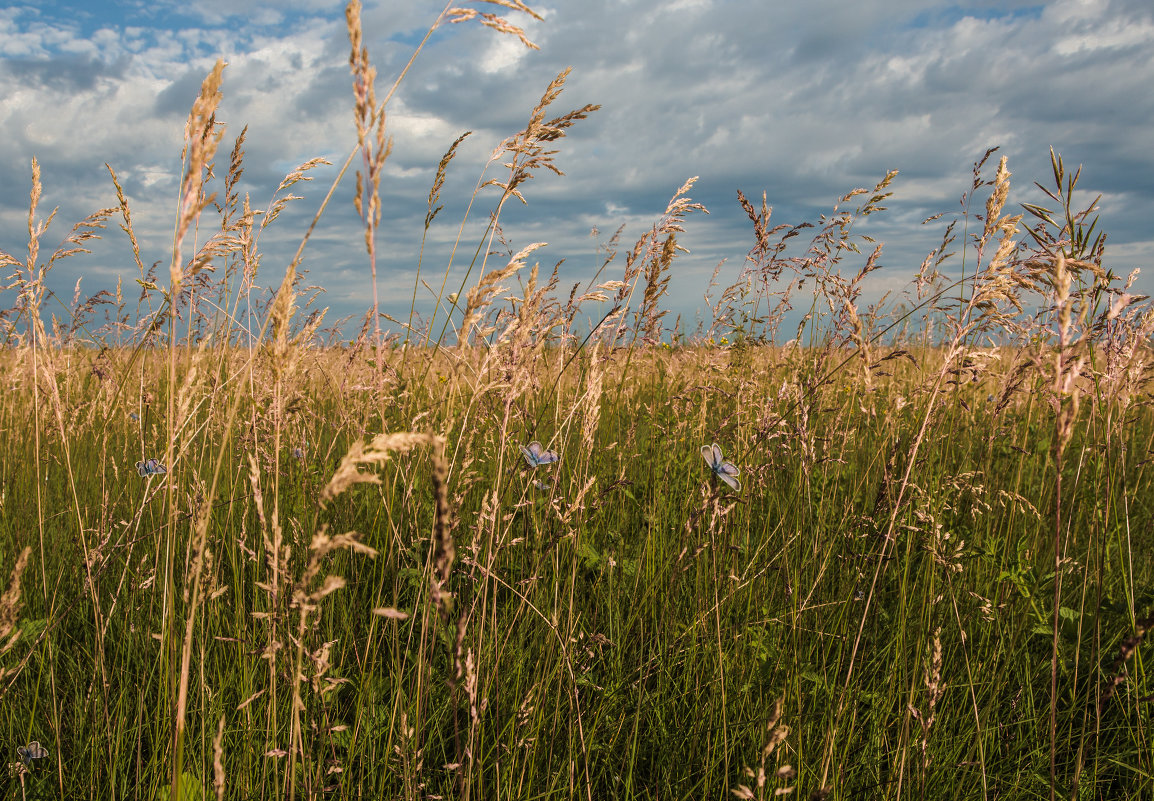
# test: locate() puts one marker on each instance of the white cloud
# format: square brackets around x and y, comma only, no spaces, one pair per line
[502,55]
[805,102]
[1112,35]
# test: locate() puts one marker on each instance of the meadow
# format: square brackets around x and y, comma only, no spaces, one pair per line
[246,558]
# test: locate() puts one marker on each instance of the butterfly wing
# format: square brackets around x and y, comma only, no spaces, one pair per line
[535,455]
[142,468]
[157,467]
[724,470]
[728,469]
[31,751]
[718,458]
[548,457]
[707,455]
[730,480]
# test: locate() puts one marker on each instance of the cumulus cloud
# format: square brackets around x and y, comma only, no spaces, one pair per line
[803,101]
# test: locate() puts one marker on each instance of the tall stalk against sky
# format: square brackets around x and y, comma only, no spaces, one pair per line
[369,117]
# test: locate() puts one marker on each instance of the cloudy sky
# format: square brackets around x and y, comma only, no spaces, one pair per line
[801,100]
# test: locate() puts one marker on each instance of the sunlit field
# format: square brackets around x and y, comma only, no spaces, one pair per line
[544,542]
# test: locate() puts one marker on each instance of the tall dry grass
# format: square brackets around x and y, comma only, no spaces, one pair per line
[352,577]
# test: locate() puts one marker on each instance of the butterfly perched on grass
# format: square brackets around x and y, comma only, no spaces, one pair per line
[536,457]
[151,467]
[721,468]
[32,751]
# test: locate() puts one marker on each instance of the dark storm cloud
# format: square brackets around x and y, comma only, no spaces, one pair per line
[66,74]
[176,98]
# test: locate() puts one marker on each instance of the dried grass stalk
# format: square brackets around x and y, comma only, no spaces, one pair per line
[201,136]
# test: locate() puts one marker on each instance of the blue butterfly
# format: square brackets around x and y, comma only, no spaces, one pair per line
[152,467]
[32,751]
[721,468]
[537,457]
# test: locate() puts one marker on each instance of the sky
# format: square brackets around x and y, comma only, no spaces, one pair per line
[801,101]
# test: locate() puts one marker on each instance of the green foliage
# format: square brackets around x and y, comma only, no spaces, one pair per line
[189,788]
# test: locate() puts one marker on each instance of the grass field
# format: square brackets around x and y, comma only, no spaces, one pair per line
[240,562]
